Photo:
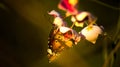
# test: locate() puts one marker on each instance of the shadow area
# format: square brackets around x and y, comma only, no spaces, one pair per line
[21,42]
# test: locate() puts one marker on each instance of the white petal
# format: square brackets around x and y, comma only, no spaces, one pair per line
[92,33]
[53,12]
[73,19]
[49,51]
[64,29]
[81,16]
[58,21]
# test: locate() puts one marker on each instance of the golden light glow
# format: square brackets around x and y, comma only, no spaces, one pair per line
[73,2]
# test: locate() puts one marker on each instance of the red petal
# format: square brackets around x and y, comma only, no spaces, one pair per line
[66,6]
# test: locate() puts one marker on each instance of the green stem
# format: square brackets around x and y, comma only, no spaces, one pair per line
[111,55]
[72,25]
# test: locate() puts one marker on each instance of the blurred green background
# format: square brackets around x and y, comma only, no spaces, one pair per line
[25,26]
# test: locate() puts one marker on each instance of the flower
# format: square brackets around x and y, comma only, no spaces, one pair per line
[70,34]
[91,33]
[81,17]
[54,13]
[67,33]
[76,37]
[69,6]
[58,21]
[62,36]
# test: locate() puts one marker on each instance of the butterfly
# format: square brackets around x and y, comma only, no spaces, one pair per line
[60,39]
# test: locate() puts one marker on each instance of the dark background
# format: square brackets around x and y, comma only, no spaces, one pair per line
[25,26]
